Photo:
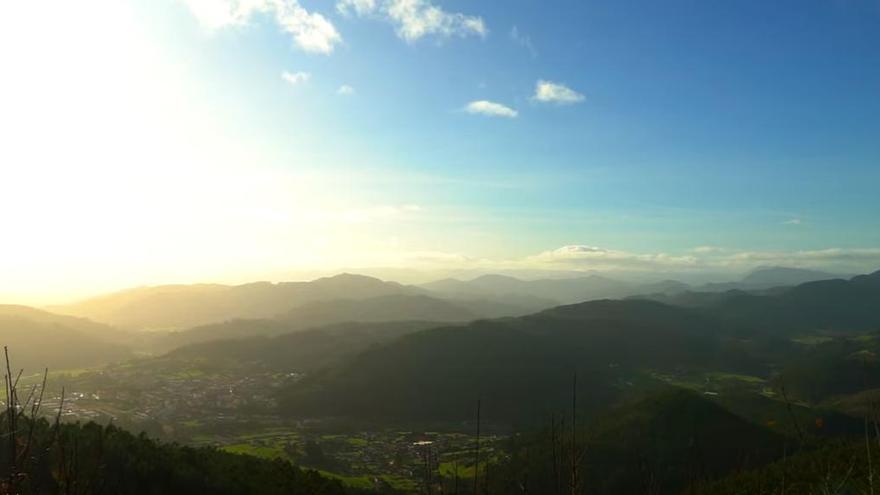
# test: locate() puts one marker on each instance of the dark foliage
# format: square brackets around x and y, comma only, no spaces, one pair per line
[92,459]
[659,444]
[833,468]
[519,366]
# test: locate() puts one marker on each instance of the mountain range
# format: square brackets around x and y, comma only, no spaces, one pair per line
[176,307]
[441,372]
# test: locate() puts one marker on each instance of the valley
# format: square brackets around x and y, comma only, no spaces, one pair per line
[391,405]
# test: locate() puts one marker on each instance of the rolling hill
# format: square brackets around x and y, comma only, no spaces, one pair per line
[442,371]
[831,305]
[824,305]
[519,366]
[655,444]
[541,293]
[389,308]
[305,351]
[38,339]
[183,306]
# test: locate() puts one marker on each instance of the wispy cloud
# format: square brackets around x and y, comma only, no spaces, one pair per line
[707,249]
[358,7]
[311,31]
[295,78]
[523,40]
[345,90]
[586,258]
[793,221]
[490,109]
[581,257]
[415,19]
[551,92]
[597,258]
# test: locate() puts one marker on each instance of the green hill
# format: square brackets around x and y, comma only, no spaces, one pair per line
[657,444]
[825,305]
[518,366]
[91,459]
[842,467]
[305,351]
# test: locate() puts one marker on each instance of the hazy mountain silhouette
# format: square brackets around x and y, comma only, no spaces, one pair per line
[841,305]
[304,351]
[835,303]
[182,306]
[542,293]
[780,275]
[438,372]
[38,339]
[770,277]
[304,304]
[81,325]
[382,308]
[388,308]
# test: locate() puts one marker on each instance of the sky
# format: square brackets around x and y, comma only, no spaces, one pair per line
[174,141]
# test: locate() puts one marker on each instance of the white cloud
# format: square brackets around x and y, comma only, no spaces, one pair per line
[523,41]
[550,92]
[415,19]
[597,258]
[707,249]
[311,32]
[345,90]
[810,258]
[359,7]
[706,258]
[295,78]
[793,221]
[490,109]
[573,259]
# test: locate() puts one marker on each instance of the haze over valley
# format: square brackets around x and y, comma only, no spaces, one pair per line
[440,247]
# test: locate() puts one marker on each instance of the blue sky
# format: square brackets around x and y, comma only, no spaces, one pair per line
[751,127]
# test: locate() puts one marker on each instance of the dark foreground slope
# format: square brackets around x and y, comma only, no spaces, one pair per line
[92,459]
[844,467]
[518,366]
[658,444]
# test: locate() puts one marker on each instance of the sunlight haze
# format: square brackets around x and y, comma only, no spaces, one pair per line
[178,141]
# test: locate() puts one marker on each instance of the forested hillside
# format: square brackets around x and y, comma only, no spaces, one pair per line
[88,458]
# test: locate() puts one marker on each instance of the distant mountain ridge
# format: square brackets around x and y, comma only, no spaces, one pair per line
[344,297]
[388,308]
[835,304]
[550,292]
[555,291]
[780,275]
[38,339]
[175,307]
[183,306]
[440,372]
[304,351]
